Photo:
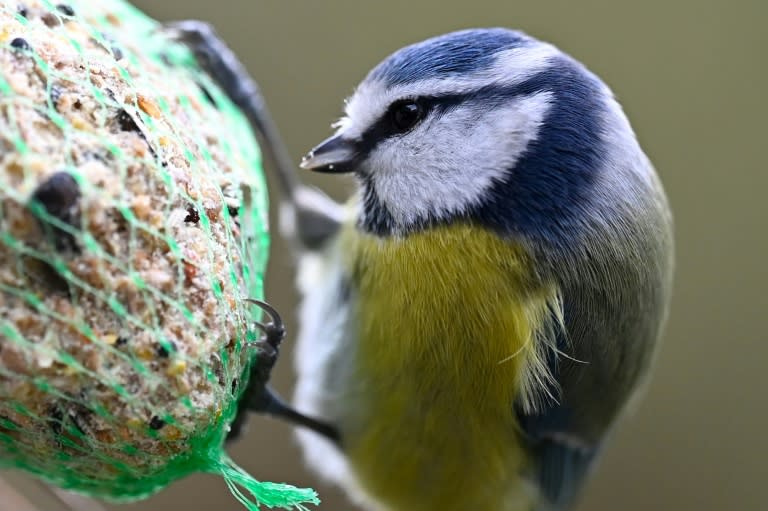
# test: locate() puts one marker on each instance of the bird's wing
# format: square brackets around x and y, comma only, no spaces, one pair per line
[564,436]
[602,353]
[562,456]
[562,461]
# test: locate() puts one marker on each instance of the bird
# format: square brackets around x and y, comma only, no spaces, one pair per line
[477,318]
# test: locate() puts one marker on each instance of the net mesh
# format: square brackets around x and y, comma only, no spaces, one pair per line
[132,225]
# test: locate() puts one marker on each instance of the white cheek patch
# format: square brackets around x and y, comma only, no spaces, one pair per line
[448,163]
[511,67]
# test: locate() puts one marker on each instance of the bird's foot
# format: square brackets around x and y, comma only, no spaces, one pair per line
[258,397]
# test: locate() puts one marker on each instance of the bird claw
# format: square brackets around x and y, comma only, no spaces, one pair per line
[267,346]
[187,31]
[273,331]
[215,58]
[257,396]
[198,36]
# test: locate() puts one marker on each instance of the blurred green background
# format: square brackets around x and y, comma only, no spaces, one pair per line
[691,75]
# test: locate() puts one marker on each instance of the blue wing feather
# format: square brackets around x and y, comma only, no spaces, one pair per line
[561,471]
[562,459]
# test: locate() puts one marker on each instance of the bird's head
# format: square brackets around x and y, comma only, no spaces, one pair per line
[486,125]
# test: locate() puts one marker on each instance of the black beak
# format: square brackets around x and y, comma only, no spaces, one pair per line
[334,155]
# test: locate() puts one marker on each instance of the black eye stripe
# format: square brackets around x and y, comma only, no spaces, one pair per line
[382,129]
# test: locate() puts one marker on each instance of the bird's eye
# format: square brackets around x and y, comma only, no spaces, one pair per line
[406,114]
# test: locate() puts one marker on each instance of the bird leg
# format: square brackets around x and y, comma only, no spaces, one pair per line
[258,396]
[316,216]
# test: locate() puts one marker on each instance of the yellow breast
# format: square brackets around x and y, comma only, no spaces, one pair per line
[446,322]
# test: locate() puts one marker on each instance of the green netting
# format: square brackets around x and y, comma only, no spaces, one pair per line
[132,226]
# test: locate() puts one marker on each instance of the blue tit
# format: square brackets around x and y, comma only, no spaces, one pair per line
[476,319]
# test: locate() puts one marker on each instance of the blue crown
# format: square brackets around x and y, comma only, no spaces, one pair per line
[465,51]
